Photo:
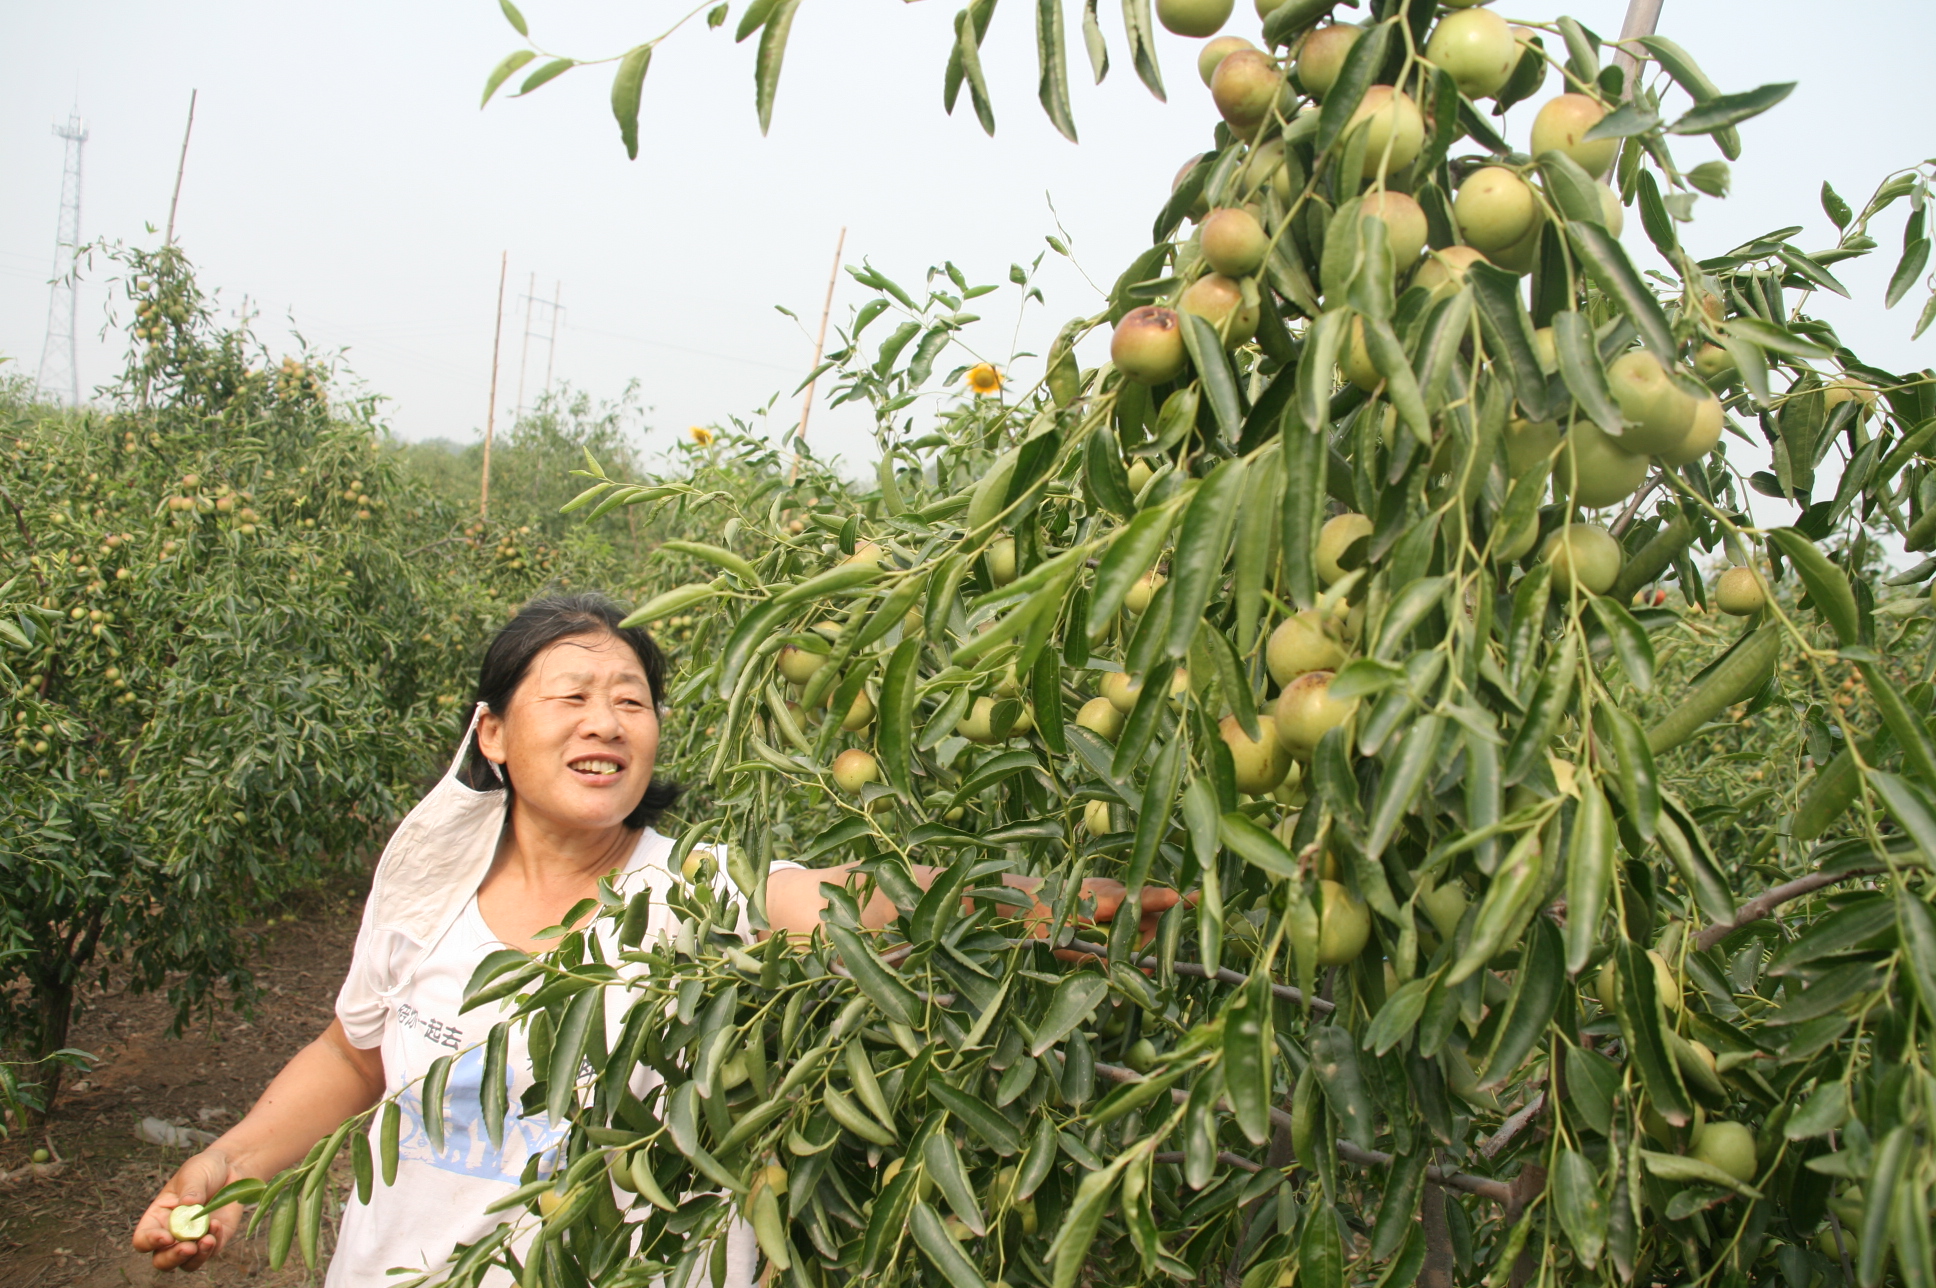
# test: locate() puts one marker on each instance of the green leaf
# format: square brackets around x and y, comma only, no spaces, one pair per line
[1684,1167]
[1508,331]
[998,1131]
[1398,1016]
[432,1095]
[388,1131]
[1580,1204]
[628,86]
[1398,1205]
[1404,776]
[1810,270]
[1821,1113]
[1724,110]
[1580,368]
[1306,464]
[1892,1161]
[568,1051]
[772,52]
[879,982]
[1608,264]
[1093,42]
[1918,929]
[1203,540]
[492,1096]
[1909,270]
[516,19]
[1104,474]
[1535,996]
[1631,643]
[965,64]
[1248,1045]
[939,1248]
[544,75]
[1334,1060]
[1213,369]
[1053,59]
[1767,335]
[1256,846]
[1074,1001]
[1359,72]
[1131,554]
[1142,52]
[1068,1252]
[1644,1026]
[757,12]
[1320,1250]
[1589,874]
[501,73]
[1828,586]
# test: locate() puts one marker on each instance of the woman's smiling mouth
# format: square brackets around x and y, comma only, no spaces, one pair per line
[596,767]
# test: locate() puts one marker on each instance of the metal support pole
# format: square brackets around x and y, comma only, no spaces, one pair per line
[1643,16]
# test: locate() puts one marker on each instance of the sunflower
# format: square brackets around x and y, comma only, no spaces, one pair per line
[701,435]
[984,379]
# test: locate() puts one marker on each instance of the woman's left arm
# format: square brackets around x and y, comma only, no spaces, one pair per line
[794,902]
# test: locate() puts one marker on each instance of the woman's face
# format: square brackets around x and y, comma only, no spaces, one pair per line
[580,733]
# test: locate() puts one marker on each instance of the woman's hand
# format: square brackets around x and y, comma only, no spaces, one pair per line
[196,1180]
[1152,902]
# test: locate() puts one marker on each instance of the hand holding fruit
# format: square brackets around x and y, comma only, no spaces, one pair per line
[198,1178]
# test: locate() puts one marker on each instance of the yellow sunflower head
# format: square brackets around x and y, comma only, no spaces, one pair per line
[984,379]
[701,435]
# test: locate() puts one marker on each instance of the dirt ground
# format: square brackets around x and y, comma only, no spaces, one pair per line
[73,1229]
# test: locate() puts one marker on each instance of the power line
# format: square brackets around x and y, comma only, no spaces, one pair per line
[60,373]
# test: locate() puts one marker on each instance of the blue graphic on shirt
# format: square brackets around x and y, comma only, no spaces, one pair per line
[467,1143]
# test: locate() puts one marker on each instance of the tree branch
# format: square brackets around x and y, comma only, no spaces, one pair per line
[1769,900]
[1198,970]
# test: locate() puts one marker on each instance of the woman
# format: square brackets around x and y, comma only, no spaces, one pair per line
[551,790]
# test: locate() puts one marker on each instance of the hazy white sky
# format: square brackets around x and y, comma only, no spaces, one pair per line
[342,177]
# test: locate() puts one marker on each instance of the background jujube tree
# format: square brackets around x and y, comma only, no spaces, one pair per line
[1502,963]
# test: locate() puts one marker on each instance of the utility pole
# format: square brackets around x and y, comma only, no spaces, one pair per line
[551,349]
[180,166]
[524,349]
[819,343]
[490,416]
[60,374]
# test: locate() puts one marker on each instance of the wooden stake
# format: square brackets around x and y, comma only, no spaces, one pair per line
[819,343]
[490,415]
[1643,16]
[180,166]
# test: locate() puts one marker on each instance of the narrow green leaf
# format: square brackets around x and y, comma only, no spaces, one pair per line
[1219,383]
[881,983]
[1828,586]
[1404,776]
[939,1247]
[628,87]
[1141,31]
[1581,1206]
[499,74]
[1725,110]
[1580,368]
[1359,72]
[1608,264]
[1248,1046]
[545,75]
[432,1093]
[516,19]
[1630,642]
[1508,331]
[1203,540]
[568,1052]
[1535,996]
[1334,1059]
[493,1089]
[1052,56]
[772,52]
[1256,846]
[1589,874]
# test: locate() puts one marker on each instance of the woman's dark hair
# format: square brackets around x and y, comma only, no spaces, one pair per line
[537,626]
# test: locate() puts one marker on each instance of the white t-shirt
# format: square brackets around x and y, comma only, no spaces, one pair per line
[439,1197]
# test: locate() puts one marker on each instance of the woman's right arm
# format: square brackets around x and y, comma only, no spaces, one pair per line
[327,1082]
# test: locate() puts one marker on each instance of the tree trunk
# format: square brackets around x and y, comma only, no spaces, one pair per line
[56,1004]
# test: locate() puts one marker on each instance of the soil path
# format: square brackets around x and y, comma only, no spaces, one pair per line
[73,1229]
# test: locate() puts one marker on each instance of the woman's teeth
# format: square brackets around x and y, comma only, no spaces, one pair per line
[595,766]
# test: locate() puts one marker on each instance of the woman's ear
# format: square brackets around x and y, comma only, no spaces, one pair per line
[490,736]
